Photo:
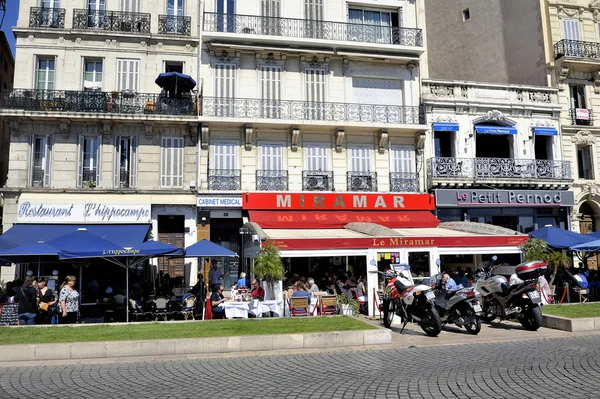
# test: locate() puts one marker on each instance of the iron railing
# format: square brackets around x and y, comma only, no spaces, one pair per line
[308,110]
[404,182]
[577,49]
[38,177]
[311,29]
[473,169]
[583,117]
[88,178]
[272,180]
[224,179]
[123,179]
[40,17]
[317,180]
[362,181]
[114,21]
[174,25]
[97,102]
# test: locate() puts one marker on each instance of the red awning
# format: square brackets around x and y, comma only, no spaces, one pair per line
[338,219]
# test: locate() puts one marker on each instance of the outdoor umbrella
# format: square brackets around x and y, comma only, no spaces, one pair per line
[30,253]
[591,246]
[560,238]
[207,248]
[175,81]
[6,244]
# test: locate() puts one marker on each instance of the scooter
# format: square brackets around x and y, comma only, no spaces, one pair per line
[460,307]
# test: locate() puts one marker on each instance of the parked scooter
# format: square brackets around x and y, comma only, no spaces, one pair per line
[411,302]
[460,307]
[502,300]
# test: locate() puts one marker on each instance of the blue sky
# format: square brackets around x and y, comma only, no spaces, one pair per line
[10,20]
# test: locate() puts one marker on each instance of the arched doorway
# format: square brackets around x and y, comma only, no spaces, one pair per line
[587,224]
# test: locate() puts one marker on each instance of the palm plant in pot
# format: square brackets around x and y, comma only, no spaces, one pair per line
[348,306]
[268,267]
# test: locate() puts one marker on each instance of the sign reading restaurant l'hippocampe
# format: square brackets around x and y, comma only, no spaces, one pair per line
[89,212]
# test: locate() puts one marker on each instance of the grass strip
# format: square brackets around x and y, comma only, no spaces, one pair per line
[573,311]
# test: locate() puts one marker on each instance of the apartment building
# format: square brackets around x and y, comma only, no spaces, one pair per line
[7,67]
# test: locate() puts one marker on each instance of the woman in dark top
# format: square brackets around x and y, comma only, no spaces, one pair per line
[45,295]
[27,297]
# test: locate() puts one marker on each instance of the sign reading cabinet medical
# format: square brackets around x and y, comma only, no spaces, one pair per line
[89,212]
[219,202]
[338,201]
[513,198]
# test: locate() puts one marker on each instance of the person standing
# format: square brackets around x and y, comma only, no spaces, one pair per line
[69,300]
[215,276]
[200,291]
[46,301]
[27,298]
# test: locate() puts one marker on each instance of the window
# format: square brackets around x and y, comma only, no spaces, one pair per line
[271,157]
[315,93]
[50,12]
[271,9]
[571,29]
[44,73]
[130,5]
[584,163]
[317,158]
[225,156]
[96,13]
[174,66]
[226,11]
[543,146]
[41,160]
[379,29]
[171,174]
[175,8]
[466,14]
[444,144]
[271,90]
[360,159]
[577,96]
[402,159]
[92,75]
[125,162]
[313,10]
[224,89]
[174,15]
[89,161]
[128,75]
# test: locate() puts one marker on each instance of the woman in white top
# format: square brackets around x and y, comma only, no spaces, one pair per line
[361,287]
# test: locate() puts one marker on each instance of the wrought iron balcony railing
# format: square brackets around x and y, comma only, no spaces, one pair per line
[583,117]
[224,179]
[312,29]
[114,21]
[174,25]
[404,182]
[362,181]
[576,49]
[97,102]
[474,169]
[308,110]
[123,179]
[89,177]
[38,177]
[272,180]
[317,180]
[41,17]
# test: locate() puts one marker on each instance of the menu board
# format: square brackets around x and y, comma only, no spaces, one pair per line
[9,314]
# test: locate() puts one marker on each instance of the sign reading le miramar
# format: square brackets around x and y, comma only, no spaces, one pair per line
[82,213]
[532,198]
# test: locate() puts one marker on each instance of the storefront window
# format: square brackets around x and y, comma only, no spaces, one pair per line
[419,265]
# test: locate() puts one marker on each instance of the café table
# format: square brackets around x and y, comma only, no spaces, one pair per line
[257,307]
[235,309]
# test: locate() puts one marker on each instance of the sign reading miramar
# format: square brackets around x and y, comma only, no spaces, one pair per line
[90,212]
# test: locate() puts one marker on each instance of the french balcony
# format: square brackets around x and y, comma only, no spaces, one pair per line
[503,171]
[404,182]
[124,179]
[88,177]
[576,49]
[312,29]
[112,21]
[174,25]
[272,180]
[361,181]
[224,179]
[41,17]
[72,101]
[317,180]
[581,116]
[247,108]
[38,177]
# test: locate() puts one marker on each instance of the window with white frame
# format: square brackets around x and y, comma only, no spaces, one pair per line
[45,73]
[128,75]
[50,13]
[224,88]
[315,92]
[172,153]
[41,160]
[402,169]
[313,10]
[571,29]
[372,26]
[174,15]
[125,162]
[89,161]
[96,13]
[130,5]
[585,166]
[92,74]
[317,158]
[224,156]
[360,159]
[271,156]
[271,9]
[270,87]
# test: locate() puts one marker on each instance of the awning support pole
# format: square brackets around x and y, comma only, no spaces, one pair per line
[127,290]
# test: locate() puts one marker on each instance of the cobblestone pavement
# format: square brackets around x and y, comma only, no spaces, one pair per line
[544,368]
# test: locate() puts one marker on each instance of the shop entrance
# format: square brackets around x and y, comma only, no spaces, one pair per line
[226,232]
[171,230]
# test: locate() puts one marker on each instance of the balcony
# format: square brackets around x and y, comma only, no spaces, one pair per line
[582,117]
[272,180]
[361,181]
[517,172]
[96,102]
[315,111]
[312,29]
[40,17]
[38,177]
[112,21]
[224,179]
[317,181]
[174,25]
[88,177]
[576,49]
[123,179]
[404,182]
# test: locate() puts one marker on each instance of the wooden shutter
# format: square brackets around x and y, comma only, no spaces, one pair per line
[316,158]
[271,82]
[571,29]
[172,162]
[271,157]
[117,163]
[313,10]
[130,5]
[225,80]
[402,159]
[271,8]
[315,84]
[48,160]
[133,164]
[80,161]
[98,160]
[225,156]
[128,75]
[360,159]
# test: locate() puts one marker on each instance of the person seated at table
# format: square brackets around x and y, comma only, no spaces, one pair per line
[242,282]
[257,291]
[217,298]
[300,291]
[312,287]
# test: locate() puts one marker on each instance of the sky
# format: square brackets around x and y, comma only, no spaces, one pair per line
[10,20]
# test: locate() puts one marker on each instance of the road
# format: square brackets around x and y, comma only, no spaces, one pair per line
[540,368]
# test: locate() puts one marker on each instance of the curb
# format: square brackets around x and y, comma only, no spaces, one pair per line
[572,325]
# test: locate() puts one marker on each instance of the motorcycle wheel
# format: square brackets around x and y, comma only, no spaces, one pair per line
[532,319]
[431,323]
[488,313]
[474,327]
[389,310]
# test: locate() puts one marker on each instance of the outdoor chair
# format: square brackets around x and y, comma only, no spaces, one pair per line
[299,306]
[328,305]
[188,306]
[135,311]
[208,312]
[378,301]
[161,308]
[362,305]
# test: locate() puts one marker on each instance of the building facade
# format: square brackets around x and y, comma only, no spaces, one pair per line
[7,68]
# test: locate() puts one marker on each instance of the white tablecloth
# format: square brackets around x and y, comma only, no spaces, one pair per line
[257,308]
[235,309]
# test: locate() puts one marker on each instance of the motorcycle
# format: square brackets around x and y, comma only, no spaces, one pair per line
[412,303]
[460,307]
[505,301]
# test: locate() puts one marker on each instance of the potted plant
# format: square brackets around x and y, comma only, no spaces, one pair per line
[268,267]
[537,249]
[348,306]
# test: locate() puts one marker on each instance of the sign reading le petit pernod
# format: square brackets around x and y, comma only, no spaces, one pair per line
[513,198]
[90,212]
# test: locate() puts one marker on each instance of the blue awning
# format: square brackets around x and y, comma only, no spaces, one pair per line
[125,235]
[545,131]
[486,129]
[445,127]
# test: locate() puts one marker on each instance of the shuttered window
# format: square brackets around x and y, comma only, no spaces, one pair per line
[90,164]
[402,159]
[270,8]
[315,84]
[271,157]
[171,174]
[271,90]
[130,5]
[41,160]
[571,29]
[128,75]
[126,161]
[360,159]
[317,158]
[224,80]
[224,156]
[313,10]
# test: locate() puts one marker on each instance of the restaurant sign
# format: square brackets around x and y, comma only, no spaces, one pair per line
[512,198]
[89,212]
